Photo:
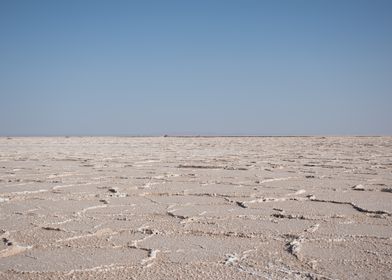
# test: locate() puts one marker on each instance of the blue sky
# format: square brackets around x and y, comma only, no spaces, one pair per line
[257,67]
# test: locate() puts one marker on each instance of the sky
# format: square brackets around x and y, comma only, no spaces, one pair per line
[245,67]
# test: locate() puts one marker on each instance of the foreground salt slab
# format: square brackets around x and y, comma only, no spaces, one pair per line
[196,208]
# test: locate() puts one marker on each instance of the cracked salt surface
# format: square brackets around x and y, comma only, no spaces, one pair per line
[196,208]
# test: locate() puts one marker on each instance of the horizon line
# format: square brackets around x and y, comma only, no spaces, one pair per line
[192,136]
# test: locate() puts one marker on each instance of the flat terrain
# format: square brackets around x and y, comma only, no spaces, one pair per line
[196,208]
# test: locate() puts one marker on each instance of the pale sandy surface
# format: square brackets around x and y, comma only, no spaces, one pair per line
[196,208]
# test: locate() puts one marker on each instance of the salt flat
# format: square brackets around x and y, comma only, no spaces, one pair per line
[196,208]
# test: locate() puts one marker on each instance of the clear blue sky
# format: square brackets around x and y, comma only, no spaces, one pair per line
[195,67]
